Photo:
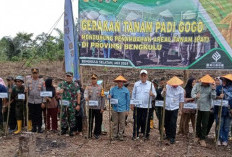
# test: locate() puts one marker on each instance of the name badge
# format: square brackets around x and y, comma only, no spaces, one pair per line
[225,103]
[136,102]
[46,94]
[3,95]
[65,102]
[21,96]
[159,103]
[93,103]
[114,101]
[190,106]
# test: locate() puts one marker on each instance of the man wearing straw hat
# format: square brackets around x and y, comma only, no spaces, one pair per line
[174,100]
[121,106]
[143,91]
[203,92]
[226,111]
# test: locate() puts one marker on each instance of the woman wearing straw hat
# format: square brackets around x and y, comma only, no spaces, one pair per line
[121,106]
[226,112]
[174,100]
[203,92]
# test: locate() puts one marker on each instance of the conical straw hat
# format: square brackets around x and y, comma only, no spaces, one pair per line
[120,78]
[207,79]
[228,76]
[175,81]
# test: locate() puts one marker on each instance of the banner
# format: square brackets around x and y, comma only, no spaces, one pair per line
[155,34]
[70,47]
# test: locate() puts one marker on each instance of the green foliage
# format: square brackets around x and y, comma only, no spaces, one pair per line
[24,47]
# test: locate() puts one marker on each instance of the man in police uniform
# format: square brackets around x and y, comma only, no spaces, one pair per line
[94,95]
[71,95]
[34,86]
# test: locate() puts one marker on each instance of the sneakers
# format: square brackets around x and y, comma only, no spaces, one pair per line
[219,143]
[135,138]
[202,143]
[224,143]
[121,138]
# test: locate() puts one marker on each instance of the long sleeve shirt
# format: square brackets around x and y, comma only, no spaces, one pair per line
[174,96]
[123,96]
[35,87]
[206,96]
[141,91]
[227,91]
[93,93]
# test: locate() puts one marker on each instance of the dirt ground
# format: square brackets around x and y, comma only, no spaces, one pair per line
[53,145]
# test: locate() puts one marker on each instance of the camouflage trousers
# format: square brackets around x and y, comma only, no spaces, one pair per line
[68,118]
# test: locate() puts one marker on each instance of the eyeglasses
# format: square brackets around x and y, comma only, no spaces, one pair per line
[68,76]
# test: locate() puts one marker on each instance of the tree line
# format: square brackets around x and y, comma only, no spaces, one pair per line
[24,47]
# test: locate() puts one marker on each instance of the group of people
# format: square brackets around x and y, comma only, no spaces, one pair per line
[200,101]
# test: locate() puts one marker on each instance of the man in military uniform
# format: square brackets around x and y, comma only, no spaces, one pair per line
[71,100]
[34,86]
[18,98]
[94,95]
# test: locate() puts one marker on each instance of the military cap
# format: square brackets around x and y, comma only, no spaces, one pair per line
[93,76]
[20,78]
[35,70]
[69,73]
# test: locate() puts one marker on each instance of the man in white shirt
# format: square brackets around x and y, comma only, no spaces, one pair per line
[174,98]
[143,91]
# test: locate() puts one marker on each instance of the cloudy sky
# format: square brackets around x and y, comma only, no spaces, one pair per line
[31,16]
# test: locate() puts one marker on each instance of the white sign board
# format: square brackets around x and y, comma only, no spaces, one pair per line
[114,101]
[46,94]
[65,103]
[159,103]
[21,96]
[190,106]
[224,103]
[3,95]
[93,103]
[136,102]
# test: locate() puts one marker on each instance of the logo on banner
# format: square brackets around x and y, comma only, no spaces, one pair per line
[215,65]
[216,56]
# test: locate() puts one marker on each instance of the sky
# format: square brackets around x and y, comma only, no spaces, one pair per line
[31,16]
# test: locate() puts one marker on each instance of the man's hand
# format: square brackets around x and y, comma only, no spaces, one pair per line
[10,90]
[61,91]
[86,99]
[25,90]
[101,111]
[109,96]
[127,113]
[198,95]
[221,96]
[42,105]
[151,94]
[132,107]
[78,107]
